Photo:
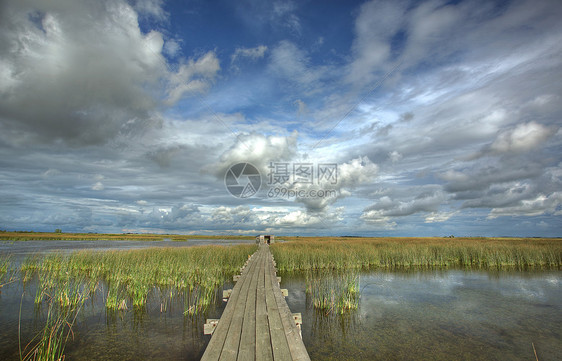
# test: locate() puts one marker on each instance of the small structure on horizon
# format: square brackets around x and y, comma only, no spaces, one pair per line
[265,239]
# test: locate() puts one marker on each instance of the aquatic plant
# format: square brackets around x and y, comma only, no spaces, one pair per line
[194,273]
[418,253]
[64,301]
[333,292]
[7,274]
[4,265]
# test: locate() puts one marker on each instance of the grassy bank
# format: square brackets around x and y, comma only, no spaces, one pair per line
[418,253]
[57,236]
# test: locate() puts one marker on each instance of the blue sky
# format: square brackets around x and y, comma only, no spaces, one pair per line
[125,116]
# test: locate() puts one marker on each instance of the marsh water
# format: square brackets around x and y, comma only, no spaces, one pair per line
[440,315]
[429,315]
[20,250]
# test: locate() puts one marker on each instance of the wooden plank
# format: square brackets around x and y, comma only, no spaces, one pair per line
[214,348]
[257,323]
[233,338]
[292,332]
[263,338]
[278,339]
[247,349]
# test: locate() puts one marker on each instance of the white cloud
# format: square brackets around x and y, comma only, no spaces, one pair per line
[257,149]
[439,217]
[522,138]
[375,25]
[395,156]
[172,47]
[59,82]
[374,218]
[152,8]
[350,176]
[98,186]
[194,77]
[293,64]
[252,54]
[541,204]
[387,207]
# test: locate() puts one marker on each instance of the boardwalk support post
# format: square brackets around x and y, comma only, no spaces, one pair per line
[210,326]
[226,294]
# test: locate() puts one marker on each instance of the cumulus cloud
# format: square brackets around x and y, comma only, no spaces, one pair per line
[236,216]
[523,137]
[302,219]
[257,149]
[350,176]
[57,82]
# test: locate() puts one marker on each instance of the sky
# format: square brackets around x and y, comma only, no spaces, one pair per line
[325,118]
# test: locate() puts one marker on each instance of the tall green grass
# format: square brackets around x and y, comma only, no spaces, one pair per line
[418,253]
[4,266]
[129,277]
[333,292]
[64,301]
[4,270]
[126,279]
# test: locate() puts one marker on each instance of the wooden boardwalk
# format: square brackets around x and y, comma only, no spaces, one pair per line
[257,323]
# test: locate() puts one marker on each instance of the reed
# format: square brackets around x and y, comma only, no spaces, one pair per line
[418,253]
[64,301]
[194,273]
[333,292]
[6,273]
[4,266]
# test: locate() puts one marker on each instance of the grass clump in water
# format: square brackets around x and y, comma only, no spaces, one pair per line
[333,292]
[64,300]
[4,266]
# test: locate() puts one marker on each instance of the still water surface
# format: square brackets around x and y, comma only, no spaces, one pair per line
[20,250]
[429,315]
[440,315]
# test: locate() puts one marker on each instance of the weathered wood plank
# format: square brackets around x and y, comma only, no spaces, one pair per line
[263,338]
[292,333]
[257,323]
[215,346]
[247,349]
[278,339]
[233,339]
